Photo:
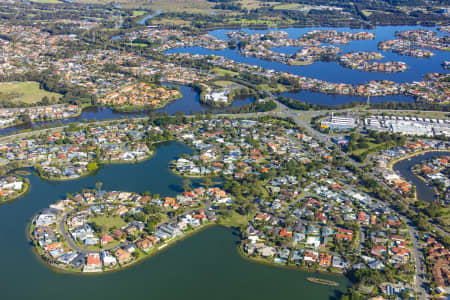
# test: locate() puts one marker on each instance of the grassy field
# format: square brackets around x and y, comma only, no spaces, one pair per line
[280,88]
[138,13]
[28,92]
[367,12]
[289,6]
[234,220]
[361,150]
[223,83]
[108,222]
[220,71]
[165,21]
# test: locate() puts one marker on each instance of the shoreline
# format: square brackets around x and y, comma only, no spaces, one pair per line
[163,247]
[21,194]
[156,251]
[391,164]
[286,266]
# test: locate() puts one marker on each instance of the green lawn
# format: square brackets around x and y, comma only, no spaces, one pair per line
[361,150]
[222,72]
[138,13]
[235,220]
[288,6]
[280,88]
[224,83]
[28,92]
[108,221]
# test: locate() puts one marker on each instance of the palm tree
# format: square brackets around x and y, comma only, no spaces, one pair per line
[99,185]
[186,184]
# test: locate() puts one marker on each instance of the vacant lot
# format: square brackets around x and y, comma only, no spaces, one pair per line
[289,6]
[223,83]
[28,92]
[108,222]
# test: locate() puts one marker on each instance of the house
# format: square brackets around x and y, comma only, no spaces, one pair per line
[130,248]
[45,219]
[376,265]
[93,263]
[285,233]
[145,245]
[262,217]
[339,263]
[267,251]
[122,256]
[378,250]
[310,256]
[344,234]
[325,260]
[298,237]
[108,259]
[118,234]
[106,239]
[313,241]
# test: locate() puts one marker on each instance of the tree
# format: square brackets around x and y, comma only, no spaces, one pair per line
[207,181]
[92,166]
[99,185]
[186,184]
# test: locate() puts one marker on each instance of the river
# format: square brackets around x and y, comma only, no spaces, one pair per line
[424,191]
[205,266]
[149,16]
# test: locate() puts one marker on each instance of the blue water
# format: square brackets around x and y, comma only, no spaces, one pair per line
[147,17]
[332,71]
[189,103]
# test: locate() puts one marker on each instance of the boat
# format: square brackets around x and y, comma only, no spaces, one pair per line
[322,281]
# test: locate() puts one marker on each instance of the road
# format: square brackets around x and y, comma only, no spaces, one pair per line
[68,237]
[419,262]
[281,111]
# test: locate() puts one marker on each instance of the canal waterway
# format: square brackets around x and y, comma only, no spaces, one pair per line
[332,71]
[149,16]
[188,104]
[424,191]
[205,266]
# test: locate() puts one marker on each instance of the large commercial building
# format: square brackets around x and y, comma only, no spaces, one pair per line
[339,122]
[409,125]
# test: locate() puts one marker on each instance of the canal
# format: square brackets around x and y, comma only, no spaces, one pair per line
[205,266]
[188,104]
[424,191]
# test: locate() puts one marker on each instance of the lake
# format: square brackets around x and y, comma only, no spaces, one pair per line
[189,103]
[332,71]
[205,266]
